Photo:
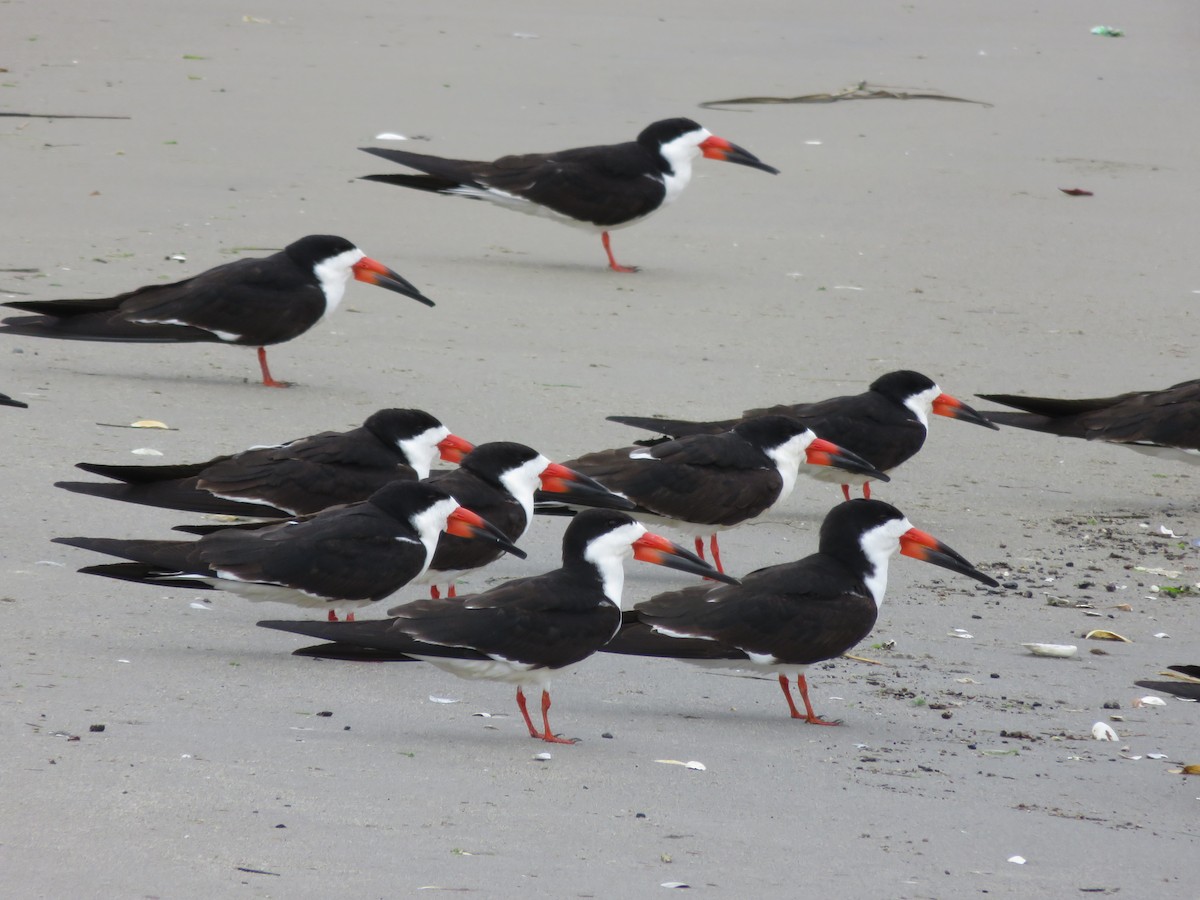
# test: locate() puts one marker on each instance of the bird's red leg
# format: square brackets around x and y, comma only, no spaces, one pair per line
[434,592]
[812,718]
[268,381]
[349,617]
[867,489]
[450,591]
[716,554]
[700,547]
[333,615]
[787,693]
[533,732]
[846,491]
[548,735]
[612,260]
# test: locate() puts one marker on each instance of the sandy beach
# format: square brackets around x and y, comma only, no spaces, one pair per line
[901,234]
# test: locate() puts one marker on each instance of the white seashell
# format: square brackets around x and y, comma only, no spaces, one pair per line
[433,699]
[149,423]
[1150,701]
[1019,860]
[1061,650]
[1102,732]
[542,757]
[146,451]
[959,633]
[1162,634]
[1156,756]
[390,136]
[675,884]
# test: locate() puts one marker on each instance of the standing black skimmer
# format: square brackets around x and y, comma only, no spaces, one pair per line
[342,558]
[524,630]
[498,481]
[6,400]
[1162,423]
[718,480]
[595,188]
[296,478]
[250,302]
[782,619]
[886,424]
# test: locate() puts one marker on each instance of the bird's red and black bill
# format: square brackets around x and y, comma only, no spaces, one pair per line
[466,524]
[923,546]
[452,448]
[718,148]
[953,408]
[656,549]
[562,484]
[373,272]
[826,453]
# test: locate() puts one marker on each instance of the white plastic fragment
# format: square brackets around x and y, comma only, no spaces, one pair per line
[1063,651]
[1103,732]
[690,764]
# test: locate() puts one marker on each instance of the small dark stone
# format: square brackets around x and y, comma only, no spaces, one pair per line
[1112,704]
[640,816]
[281,826]
[947,715]
[95,728]
[994,675]
[607,735]
[345,728]
[325,714]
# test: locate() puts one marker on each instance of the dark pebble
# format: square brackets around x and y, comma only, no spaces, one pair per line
[95,728]
[994,675]
[607,735]
[1112,704]
[325,714]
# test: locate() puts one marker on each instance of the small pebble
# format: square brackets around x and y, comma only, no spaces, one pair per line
[95,728]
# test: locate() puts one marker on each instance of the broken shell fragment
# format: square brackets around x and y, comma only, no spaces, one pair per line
[149,423]
[1102,732]
[1150,701]
[1101,634]
[1060,650]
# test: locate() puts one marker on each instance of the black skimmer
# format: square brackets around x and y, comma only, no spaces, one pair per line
[6,400]
[524,630]
[498,480]
[595,188]
[299,477]
[250,302]
[885,424]
[1185,682]
[782,619]
[343,558]
[720,480]
[1162,423]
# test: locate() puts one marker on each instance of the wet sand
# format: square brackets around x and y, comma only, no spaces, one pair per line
[901,234]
